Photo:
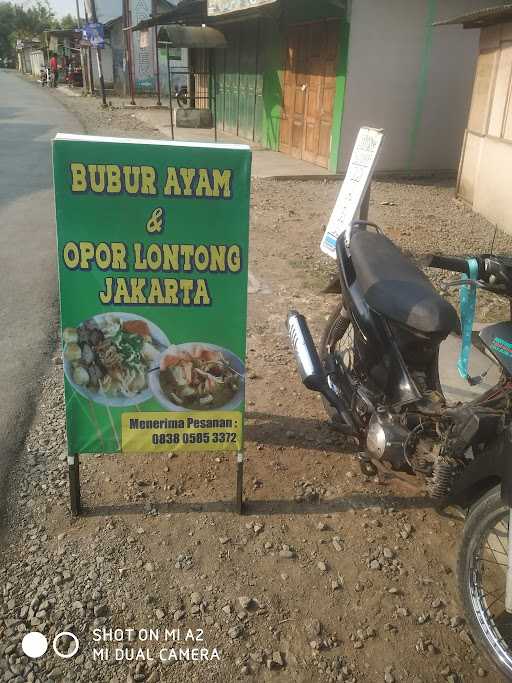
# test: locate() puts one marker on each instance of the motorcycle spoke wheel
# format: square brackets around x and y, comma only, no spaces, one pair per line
[339,338]
[344,348]
[482,575]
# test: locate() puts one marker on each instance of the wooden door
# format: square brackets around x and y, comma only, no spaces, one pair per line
[294,95]
[308,91]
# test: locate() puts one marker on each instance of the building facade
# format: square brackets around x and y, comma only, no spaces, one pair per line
[486,159]
[281,80]
[301,77]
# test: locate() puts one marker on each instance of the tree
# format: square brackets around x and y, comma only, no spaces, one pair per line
[68,21]
[33,21]
[7,26]
[18,23]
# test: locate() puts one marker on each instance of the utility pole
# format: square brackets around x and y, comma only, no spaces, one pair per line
[82,60]
[157,64]
[128,48]
[89,57]
[98,55]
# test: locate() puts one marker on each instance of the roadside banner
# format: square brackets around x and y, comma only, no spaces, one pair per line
[153,263]
[143,50]
[356,183]
[93,34]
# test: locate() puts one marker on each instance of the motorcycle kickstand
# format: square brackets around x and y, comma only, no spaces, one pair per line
[366,465]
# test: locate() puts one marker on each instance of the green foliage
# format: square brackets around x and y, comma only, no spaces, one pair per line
[68,21]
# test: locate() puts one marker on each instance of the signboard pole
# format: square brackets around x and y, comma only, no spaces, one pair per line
[74,484]
[169,80]
[157,68]
[239,503]
[98,57]
[157,64]
[89,59]
[128,50]
[365,206]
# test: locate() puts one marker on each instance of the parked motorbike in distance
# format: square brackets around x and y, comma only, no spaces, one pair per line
[377,370]
[47,77]
[44,76]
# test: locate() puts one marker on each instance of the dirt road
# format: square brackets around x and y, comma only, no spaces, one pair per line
[329,577]
[29,118]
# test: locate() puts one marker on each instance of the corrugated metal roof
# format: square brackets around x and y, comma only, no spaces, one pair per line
[483,17]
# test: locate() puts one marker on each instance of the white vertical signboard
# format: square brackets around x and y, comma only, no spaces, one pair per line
[358,178]
[142,47]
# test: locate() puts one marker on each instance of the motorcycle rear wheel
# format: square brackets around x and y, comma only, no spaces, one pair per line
[481,572]
[338,336]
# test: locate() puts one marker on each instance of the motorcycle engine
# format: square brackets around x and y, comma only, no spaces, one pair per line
[387,439]
[437,445]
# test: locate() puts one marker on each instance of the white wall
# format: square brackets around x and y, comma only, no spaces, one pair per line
[384,84]
[491,194]
[36,62]
[106,65]
[486,165]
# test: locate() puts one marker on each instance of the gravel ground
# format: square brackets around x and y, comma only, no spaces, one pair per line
[329,577]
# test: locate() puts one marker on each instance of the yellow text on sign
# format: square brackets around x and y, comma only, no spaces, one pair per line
[194,431]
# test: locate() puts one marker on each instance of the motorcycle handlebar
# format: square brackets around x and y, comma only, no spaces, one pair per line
[488,267]
[457,264]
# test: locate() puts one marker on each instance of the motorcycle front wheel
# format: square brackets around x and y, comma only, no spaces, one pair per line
[482,568]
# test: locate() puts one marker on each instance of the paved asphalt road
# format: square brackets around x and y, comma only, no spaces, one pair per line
[29,119]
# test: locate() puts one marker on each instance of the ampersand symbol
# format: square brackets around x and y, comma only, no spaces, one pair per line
[156,222]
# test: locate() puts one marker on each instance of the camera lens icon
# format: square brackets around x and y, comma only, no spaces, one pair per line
[70,653]
[35,645]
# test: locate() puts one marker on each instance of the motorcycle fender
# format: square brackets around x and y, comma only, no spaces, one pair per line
[492,467]
[506,481]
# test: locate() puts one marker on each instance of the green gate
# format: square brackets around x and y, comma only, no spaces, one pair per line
[240,82]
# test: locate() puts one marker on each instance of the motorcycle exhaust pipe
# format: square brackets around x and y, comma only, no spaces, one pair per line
[310,366]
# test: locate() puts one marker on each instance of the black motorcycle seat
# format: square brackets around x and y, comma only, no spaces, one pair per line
[394,287]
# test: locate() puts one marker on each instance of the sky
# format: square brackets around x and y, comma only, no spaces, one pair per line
[62,7]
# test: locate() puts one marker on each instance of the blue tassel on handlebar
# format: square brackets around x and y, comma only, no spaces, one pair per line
[467,317]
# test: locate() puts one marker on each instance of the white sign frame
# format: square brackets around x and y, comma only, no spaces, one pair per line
[220,7]
[357,180]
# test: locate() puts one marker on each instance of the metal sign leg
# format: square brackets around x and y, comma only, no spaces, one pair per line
[239,502]
[365,205]
[74,484]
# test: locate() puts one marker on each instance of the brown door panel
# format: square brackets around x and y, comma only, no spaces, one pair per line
[324,143]
[309,87]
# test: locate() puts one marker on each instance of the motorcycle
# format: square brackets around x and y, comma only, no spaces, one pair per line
[377,371]
[44,76]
